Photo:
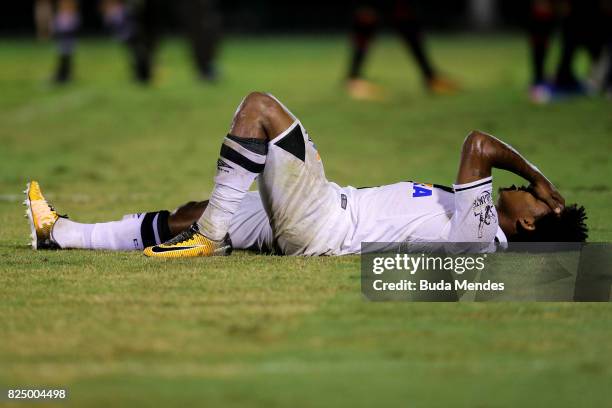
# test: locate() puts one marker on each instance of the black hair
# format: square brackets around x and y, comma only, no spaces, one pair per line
[570,226]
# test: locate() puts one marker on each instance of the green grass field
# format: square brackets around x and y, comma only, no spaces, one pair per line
[121,330]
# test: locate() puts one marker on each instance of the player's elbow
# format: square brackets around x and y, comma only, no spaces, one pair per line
[475,143]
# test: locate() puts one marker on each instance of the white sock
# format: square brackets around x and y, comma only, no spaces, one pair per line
[70,234]
[133,232]
[241,161]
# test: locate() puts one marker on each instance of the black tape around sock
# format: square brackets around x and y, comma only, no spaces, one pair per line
[163,229]
[255,145]
[147,234]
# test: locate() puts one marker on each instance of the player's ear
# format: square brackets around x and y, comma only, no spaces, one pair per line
[527,224]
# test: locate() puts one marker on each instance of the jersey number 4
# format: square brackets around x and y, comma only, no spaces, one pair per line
[421,189]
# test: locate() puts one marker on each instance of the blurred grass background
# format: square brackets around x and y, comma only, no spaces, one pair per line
[121,330]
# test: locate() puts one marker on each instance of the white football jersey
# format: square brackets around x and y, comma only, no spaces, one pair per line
[401,212]
[424,213]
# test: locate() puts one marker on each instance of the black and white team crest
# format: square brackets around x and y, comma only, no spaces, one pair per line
[483,209]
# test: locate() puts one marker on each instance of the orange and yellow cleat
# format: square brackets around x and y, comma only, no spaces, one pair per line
[188,244]
[41,216]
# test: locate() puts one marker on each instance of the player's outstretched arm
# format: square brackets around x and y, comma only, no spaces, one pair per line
[481,152]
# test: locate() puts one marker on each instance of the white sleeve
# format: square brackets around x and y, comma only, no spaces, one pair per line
[250,227]
[475,216]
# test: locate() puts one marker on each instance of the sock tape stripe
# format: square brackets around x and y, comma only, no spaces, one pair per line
[163,229]
[146,230]
[240,160]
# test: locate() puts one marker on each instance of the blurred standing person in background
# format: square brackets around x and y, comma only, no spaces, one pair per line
[584,24]
[402,15]
[602,78]
[200,21]
[581,27]
[43,19]
[543,19]
[65,24]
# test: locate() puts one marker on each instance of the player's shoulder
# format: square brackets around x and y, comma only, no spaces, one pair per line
[485,183]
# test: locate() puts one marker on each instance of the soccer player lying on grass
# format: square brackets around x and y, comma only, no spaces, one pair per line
[297,211]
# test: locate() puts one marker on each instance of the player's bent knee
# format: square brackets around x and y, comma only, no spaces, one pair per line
[259,101]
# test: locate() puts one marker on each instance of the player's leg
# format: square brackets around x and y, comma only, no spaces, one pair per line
[43,18]
[306,212]
[566,81]
[249,229]
[365,24]
[541,25]
[144,19]
[408,25]
[542,17]
[66,25]
[202,24]
[133,232]
[258,119]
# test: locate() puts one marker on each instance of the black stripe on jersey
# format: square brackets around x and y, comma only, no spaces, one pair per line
[146,230]
[438,186]
[474,186]
[444,188]
[242,161]
[293,142]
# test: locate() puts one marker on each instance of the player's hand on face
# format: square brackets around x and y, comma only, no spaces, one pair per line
[547,192]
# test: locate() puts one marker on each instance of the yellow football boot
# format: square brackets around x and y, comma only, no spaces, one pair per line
[41,216]
[189,244]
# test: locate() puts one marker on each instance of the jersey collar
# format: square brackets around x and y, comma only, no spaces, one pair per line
[501,239]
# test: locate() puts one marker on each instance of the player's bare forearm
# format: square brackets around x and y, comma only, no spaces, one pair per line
[482,152]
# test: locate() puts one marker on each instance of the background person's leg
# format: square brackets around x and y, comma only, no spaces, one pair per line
[144,18]
[407,23]
[365,23]
[66,24]
[541,25]
[43,18]
[542,21]
[577,27]
[202,23]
